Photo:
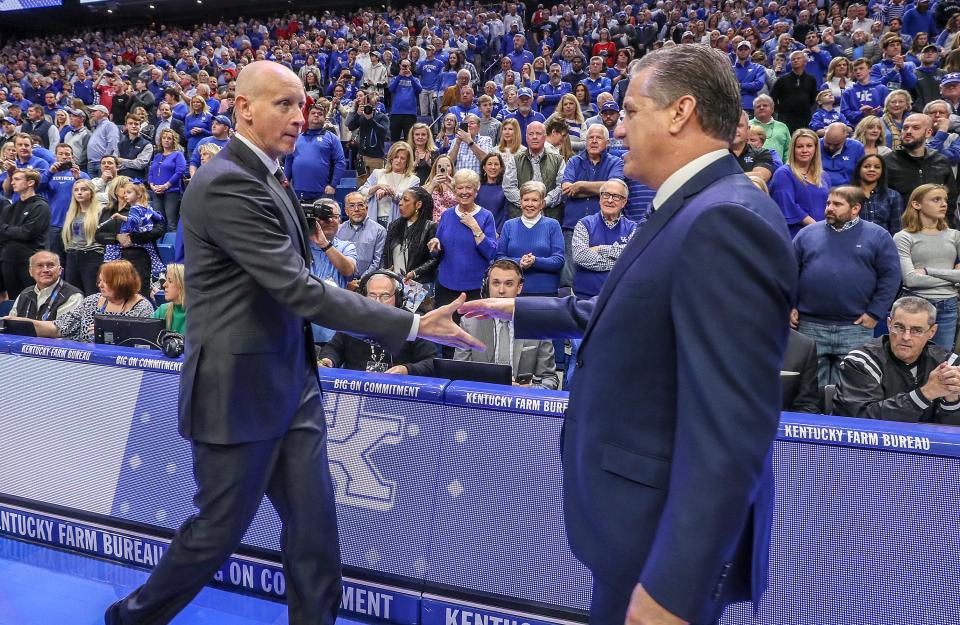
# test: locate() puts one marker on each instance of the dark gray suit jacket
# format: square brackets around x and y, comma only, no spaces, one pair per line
[529,355]
[249,348]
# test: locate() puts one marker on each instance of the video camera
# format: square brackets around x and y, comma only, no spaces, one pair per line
[319,210]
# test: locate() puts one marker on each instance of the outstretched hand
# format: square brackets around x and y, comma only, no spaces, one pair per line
[438,326]
[493,308]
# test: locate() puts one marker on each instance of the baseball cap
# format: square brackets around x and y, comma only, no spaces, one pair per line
[223,119]
[744,44]
[950,79]
[610,106]
[686,33]
[77,112]
[930,47]
[525,92]
[99,107]
[9,120]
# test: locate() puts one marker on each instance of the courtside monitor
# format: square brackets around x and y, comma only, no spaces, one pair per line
[472,371]
[127,331]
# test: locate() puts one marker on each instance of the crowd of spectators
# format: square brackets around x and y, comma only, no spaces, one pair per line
[474,145]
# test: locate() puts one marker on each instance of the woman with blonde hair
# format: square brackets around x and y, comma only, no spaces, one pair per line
[198,123]
[62,122]
[799,187]
[424,150]
[869,132]
[838,76]
[928,250]
[384,187]
[174,308]
[440,186]
[510,140]
[568,109]
[79,235]
[896,107]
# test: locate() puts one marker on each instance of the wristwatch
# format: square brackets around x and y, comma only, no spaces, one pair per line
[470,144]
[328,246]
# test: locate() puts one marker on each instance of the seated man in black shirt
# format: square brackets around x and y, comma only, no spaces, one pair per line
[754,161]
[903,376]
[415,358]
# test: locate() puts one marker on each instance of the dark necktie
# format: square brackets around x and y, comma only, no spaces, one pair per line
[295,205]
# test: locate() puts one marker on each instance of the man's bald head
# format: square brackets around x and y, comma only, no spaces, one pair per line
[257,76]
[268,107]
[834,137]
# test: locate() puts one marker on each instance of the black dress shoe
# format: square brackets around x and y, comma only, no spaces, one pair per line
[112,615]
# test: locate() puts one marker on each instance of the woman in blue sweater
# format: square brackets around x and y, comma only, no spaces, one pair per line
[466,242]
[799,187]
[198,123]
[534,242]
[166,178]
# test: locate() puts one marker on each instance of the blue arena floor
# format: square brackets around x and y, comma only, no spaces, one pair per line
[42,586]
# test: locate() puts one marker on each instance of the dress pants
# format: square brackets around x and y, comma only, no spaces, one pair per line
[293,471]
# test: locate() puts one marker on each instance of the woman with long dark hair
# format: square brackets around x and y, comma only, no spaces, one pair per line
[883,205]
[405,249]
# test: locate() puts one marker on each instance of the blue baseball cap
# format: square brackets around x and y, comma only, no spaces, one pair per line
[950,79]
[223,119]
[525,92]
[610,106]
[9,120]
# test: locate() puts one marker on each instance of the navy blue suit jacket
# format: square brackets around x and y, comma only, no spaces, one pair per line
[676,400]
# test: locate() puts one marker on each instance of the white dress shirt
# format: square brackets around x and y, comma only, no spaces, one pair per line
[680,177]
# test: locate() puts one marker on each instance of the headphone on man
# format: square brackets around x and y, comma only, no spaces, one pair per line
[398,293]
[485,285]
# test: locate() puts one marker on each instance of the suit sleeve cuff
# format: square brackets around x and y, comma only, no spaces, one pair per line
[414,328]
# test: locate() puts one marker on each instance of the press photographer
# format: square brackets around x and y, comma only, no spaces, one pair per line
[369,127]
[334,260]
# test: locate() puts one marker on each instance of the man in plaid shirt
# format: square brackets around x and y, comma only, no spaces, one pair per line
[470,146]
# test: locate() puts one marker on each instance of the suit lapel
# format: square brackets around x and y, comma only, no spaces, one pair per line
[656,223]
[286,201]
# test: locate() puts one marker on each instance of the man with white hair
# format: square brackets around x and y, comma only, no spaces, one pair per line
[795,93]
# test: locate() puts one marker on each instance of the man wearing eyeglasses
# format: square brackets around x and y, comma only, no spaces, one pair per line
[366,235]
[348,352]
[903,376]
[584,176]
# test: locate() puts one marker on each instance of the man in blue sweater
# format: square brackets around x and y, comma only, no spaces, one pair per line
[405,89]
[849,275]
[583,177]
[58,183]
[428,71]
[316,164]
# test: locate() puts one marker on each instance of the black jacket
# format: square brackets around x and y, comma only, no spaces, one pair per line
[905,173]
[352,353]
[794,97]
[23,228]
[798,376]
[875,384]
[370,134]
[422,263]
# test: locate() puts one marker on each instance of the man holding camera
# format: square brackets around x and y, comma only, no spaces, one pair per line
[469,148]
[405,90]
[334,260]
[414,358]
[370,128]
[58,182]
[317,163]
